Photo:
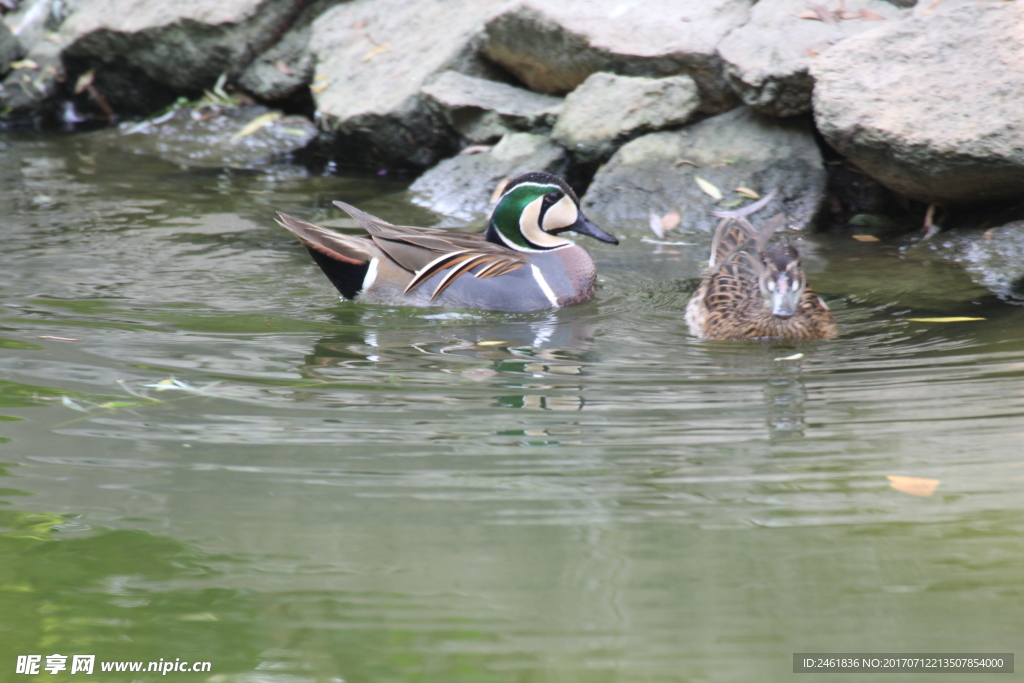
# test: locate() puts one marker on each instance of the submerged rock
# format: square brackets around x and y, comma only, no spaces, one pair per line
[373,60]
[464,185]
[214,136]
[482,111]
[994,258]
[554,47]
[606,111]
[665,171]
[930,106]
[146,54]
[768,59]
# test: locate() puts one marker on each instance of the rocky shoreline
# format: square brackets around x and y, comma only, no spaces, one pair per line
[871,117]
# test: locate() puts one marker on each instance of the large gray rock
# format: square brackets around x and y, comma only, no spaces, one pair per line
[464,185]
[147,53]
[768,59]
[10,48]
[32,20]
[31,90]
[608,110]
[554,47]
[483,111]
[741,148]
[282,70]
[373,58]
[994,258]
[931,106]
[245,137]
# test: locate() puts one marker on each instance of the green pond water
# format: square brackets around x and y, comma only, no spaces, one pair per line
[228,464]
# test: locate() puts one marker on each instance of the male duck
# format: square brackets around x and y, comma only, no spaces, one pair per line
[756,291]
[520,263]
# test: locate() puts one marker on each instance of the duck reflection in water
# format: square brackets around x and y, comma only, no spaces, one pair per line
[532,360]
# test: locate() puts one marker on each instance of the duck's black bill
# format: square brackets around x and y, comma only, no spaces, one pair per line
[585,227]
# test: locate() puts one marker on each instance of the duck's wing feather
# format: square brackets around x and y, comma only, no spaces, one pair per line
[427,251]
[737,241]
[347,248]
[733,237]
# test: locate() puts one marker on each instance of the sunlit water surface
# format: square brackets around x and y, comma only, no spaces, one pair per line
[208,456]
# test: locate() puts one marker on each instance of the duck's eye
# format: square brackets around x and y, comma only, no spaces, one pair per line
[552,197]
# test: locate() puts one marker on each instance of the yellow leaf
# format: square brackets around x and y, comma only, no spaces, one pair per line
[747,192]
[952,319]
[795,356]
[708,188]
[383,47]
[866,238]
[256,124]
[491,343]
[24,64]
[321,85]
[915,486]
[85,80]
[670,220]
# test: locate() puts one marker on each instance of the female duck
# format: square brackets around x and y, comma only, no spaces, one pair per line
[521,263]
[754,291]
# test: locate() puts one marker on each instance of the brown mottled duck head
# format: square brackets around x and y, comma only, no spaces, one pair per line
[781,279]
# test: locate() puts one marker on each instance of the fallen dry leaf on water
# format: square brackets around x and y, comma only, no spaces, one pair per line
[952,319]
[747,192]
[866,238]
[654,222]
[708,188]
[383,47]
[479,374]
[256,124]
[67,339]
[915,486]
[686,161]
[671,220]
[795,356]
